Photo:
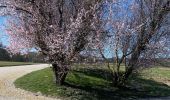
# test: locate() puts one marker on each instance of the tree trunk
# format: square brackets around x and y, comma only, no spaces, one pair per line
[60,73]
[128,72]
[132,63]
[118,80]
[115,80]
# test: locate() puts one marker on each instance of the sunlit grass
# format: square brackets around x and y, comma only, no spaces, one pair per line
[9,63]
[94,83]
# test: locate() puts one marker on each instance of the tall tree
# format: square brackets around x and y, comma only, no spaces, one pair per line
[60,29]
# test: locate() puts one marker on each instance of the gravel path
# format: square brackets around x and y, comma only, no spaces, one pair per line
[7,89]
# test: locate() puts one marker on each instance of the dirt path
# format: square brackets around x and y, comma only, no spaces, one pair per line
[7,89]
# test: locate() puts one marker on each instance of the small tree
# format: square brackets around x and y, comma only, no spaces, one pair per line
[60,29]
[135,30]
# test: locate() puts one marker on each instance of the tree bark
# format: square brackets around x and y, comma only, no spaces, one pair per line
[132,63]
[115,79]
[60,73]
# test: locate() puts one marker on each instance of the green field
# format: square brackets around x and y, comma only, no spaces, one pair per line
[94,83]
[8,63]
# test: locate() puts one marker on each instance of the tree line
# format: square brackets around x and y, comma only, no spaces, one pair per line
[29,57]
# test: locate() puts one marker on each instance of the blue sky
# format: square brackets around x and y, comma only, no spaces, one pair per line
[3,36]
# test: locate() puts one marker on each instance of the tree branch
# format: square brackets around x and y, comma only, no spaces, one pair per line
[18,9]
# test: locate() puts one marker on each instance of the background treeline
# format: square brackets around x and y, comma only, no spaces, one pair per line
[30,57]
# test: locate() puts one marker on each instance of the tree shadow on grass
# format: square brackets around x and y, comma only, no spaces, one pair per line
[99,73]
[103,90]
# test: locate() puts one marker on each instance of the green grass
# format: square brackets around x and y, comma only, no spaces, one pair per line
[93,83]
[8,63]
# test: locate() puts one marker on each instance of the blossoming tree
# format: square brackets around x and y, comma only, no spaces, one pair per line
[136,32]
[60,29]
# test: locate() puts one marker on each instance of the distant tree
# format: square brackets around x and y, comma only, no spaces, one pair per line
[4,55]
[34,57]
[18,58]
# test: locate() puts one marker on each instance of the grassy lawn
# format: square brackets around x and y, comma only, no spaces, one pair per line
[93,83]
[8,63]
